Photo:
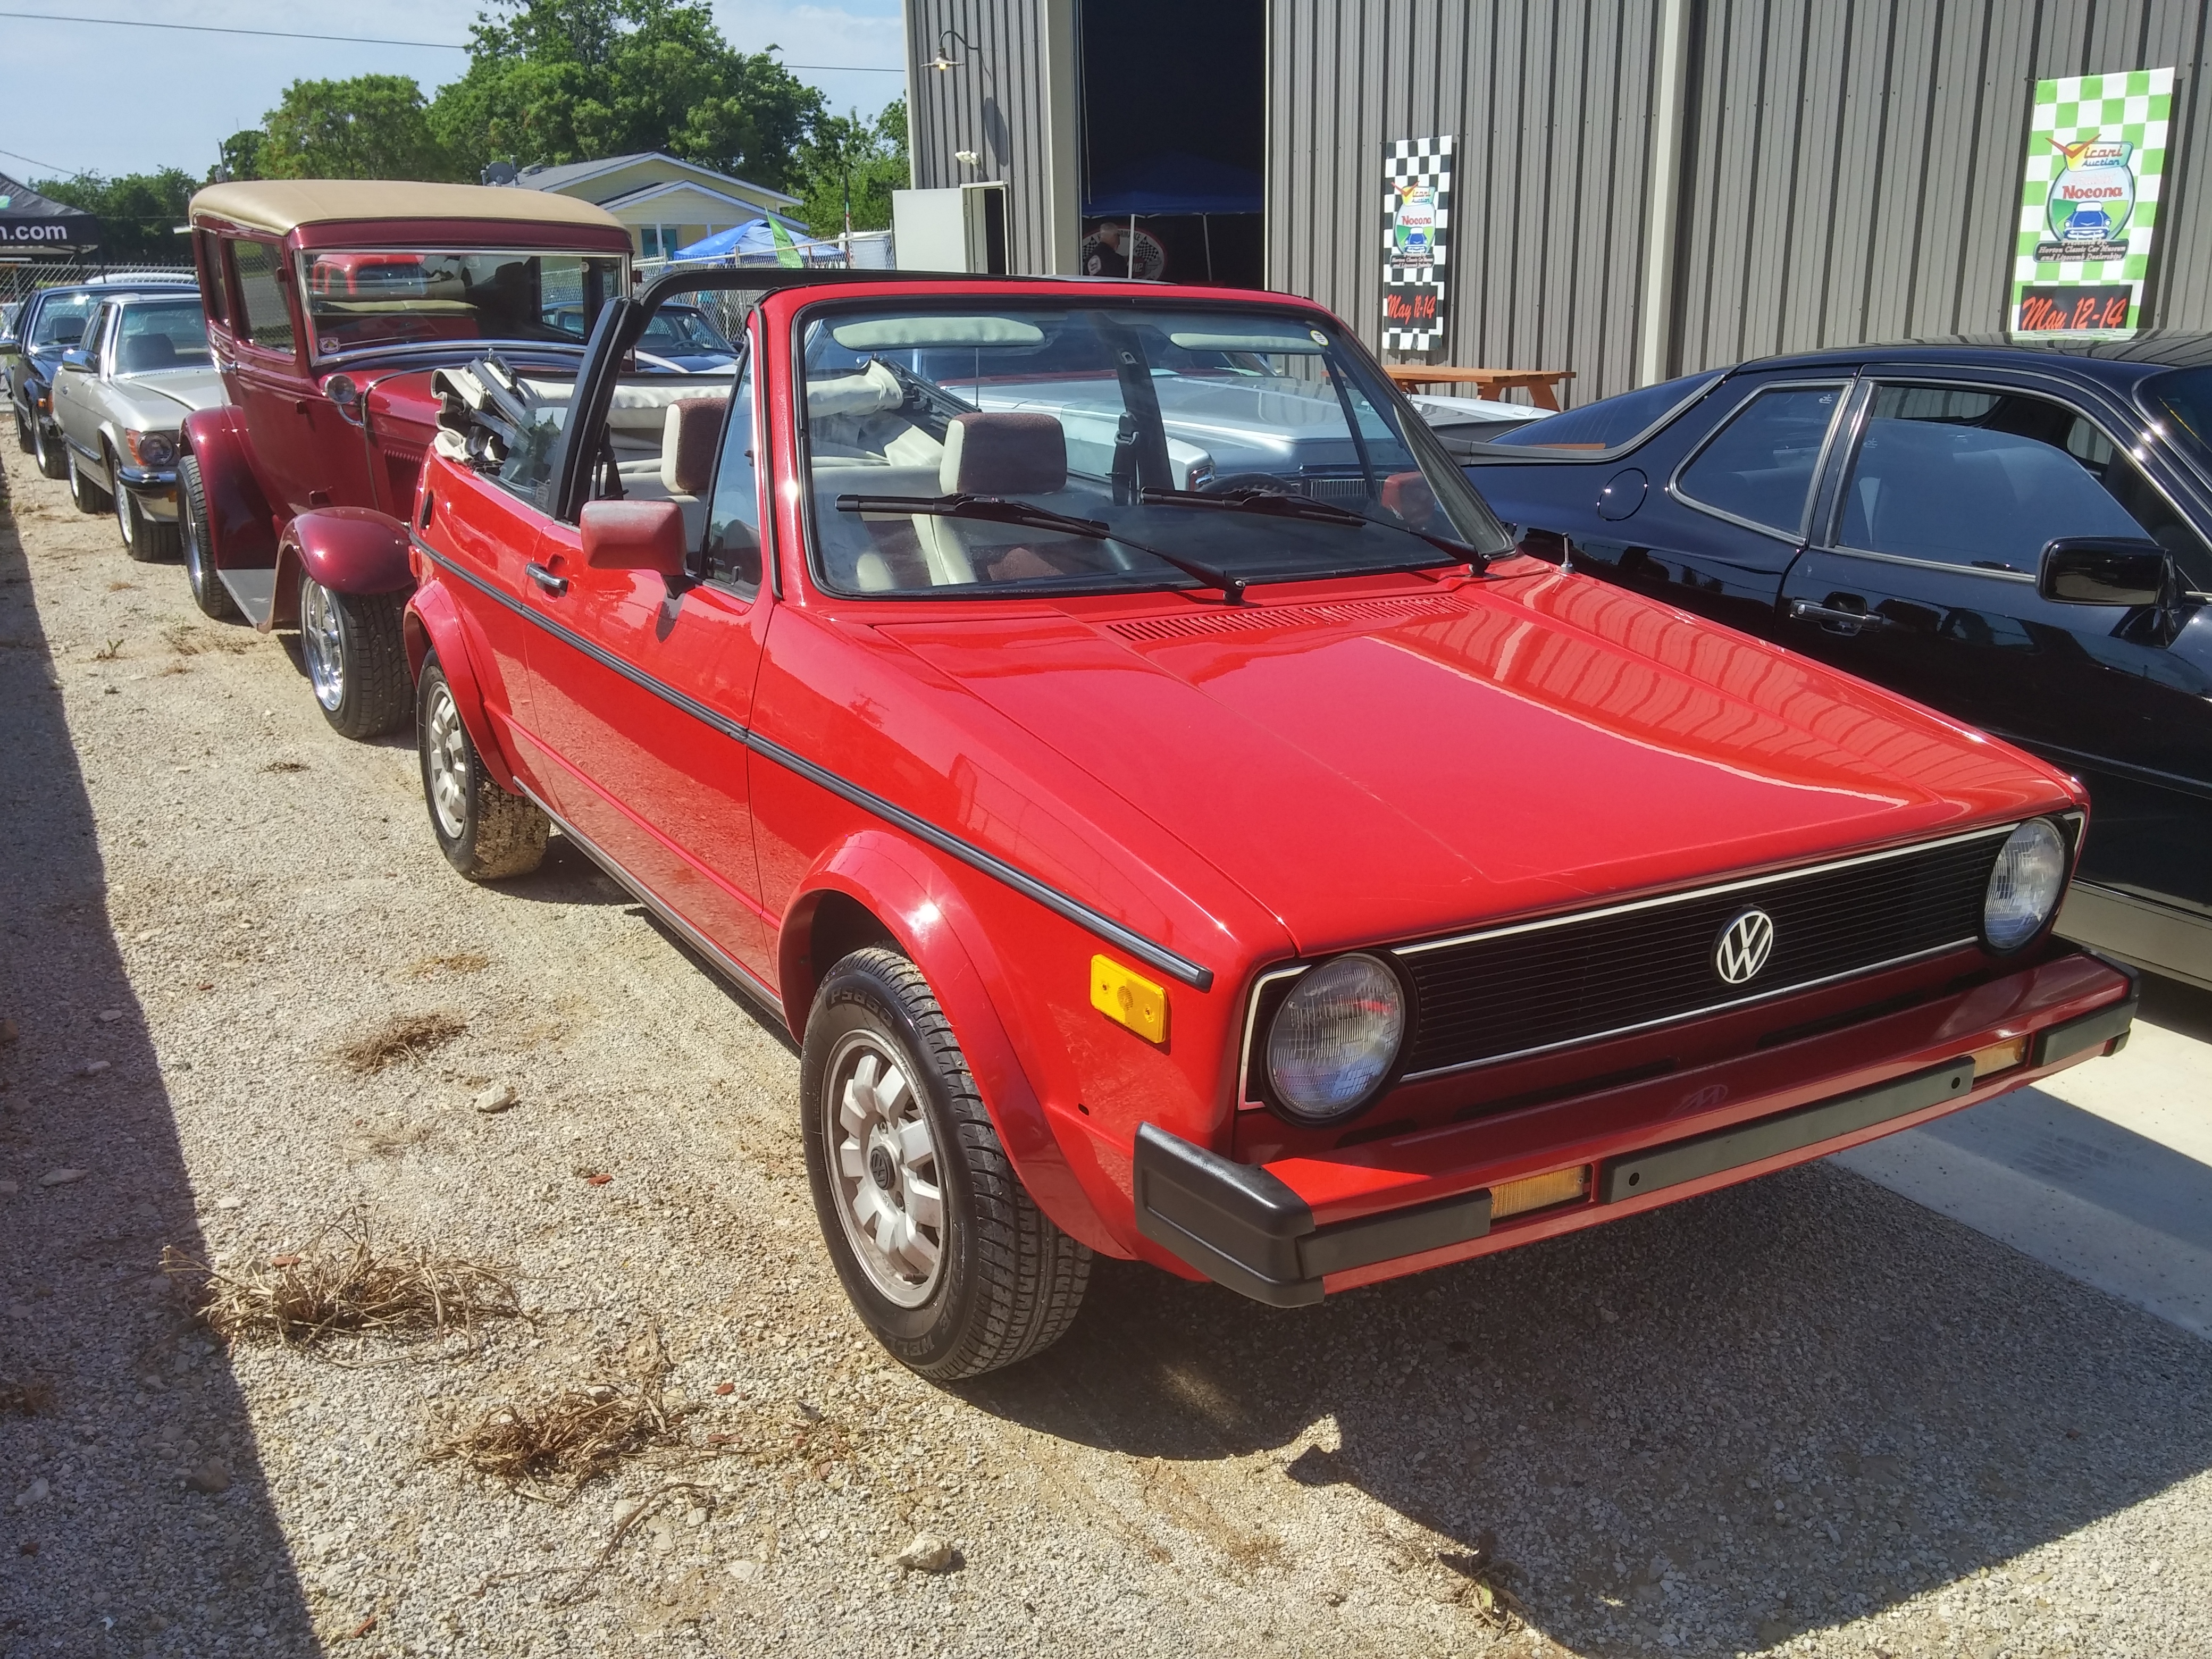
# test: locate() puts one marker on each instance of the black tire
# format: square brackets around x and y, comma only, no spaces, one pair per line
[356,652]
[497,835]
[51,452]
[22,429]
[1008,1282]
[148,541]
[208,591]
[88,496]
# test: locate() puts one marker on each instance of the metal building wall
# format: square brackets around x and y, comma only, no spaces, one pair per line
[1549,100]
[993,104]
[1854,165]
[1850,168]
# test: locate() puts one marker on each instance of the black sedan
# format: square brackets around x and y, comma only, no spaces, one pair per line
[53,321]
[2014,534]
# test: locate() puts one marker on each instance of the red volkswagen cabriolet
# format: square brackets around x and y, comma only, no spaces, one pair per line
[1106,726]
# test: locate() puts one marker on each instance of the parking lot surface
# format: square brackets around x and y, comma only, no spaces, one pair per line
[1808,1415]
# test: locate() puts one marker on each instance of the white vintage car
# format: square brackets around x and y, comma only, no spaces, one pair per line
[120,398]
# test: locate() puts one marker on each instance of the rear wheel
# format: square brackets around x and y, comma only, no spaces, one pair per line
[357,658]
[484,832]
[943,1254]
[23,430]
[208,591]
[51,452]
[144,539]
[88,496]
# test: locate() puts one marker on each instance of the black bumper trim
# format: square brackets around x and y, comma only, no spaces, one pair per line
[2091,1030]
[1245,1229]
[1671,1164]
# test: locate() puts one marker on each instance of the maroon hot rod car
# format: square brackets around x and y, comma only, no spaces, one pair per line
[329,303]
[1104,725]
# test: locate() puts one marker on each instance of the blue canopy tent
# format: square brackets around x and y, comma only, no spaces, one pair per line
[754,243]
[1173,183]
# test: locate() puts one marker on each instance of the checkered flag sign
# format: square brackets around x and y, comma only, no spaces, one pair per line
[1416,241]
[2089,201]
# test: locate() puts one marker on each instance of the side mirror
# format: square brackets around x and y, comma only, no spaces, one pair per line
[79,361]
[633,536]
[2104,570]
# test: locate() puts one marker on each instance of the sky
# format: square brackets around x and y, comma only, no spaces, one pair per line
[84,97]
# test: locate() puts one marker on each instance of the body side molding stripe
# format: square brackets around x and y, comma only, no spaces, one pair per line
[1156,956]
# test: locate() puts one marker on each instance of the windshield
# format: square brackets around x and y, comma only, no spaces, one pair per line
[2183,397]
[61,318]
[361,300]
[173,335]
[1254,442]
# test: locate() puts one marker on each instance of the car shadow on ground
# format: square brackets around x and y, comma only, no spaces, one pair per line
[138,1517]
[1780,1406]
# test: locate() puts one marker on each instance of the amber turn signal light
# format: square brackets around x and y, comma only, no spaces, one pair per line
[1999,1057]
[1129,1000]
[1538,1192]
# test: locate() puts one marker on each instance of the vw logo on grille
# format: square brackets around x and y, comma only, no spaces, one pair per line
[1744,946]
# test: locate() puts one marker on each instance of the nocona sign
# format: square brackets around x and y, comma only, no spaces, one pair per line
[2089,202]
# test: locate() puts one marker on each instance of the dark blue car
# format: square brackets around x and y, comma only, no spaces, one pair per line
[2018,535]
[52,320]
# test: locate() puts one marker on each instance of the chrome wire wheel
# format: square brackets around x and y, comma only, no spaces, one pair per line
[197,575]
[125,520]
[445,755]
[889,1190]
[322,643]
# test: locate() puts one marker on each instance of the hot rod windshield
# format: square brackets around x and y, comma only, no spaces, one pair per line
[377,299]
[1174,445]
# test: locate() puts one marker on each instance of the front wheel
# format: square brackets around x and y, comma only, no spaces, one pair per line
[146,540]
[208,591]
[356,657]
[484,832]
[945,1255]
[88,496]
[51,454]
[22,431]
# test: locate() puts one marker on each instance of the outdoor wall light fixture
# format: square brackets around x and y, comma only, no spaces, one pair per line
[967,158]
[945,59]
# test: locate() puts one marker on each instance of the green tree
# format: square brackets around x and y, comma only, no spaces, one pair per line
[555,81]
[869,156]
[240,154]
[138,212]
[374,126]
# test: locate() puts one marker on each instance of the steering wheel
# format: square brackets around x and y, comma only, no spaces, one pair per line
[1266,481]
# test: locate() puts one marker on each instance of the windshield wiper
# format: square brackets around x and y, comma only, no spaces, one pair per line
[999,510]
[1252,499]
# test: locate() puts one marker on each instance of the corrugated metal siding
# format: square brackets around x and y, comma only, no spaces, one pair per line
[1851,167]
[993,104]
[1549,102]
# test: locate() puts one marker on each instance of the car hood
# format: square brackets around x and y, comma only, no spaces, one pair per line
[1384,767]
[173,393]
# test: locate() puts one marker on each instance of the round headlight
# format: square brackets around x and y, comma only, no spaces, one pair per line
[2024,886]
[157,448]
[1335,1038]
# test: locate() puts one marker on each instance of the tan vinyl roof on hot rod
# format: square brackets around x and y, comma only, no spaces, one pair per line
[282,205]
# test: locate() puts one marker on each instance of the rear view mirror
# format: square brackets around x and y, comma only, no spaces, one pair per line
[633,536]
[2103,570]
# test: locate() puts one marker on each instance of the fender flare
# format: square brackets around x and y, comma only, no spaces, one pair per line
[241,527]
[929,916]
[346,550]
[432,623]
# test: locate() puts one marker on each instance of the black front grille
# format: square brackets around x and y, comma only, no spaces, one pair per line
[1487,997]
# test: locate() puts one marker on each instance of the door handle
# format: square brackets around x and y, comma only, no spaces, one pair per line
[1806,611]
[556,586]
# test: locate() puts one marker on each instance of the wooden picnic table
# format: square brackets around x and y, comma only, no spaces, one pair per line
[1487,382]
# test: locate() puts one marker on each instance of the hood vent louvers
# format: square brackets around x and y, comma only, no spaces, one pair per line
[1246,617]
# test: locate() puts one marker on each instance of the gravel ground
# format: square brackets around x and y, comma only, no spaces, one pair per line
[1803,1416]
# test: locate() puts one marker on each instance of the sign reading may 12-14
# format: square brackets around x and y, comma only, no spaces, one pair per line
[2096,158]
[1416,239]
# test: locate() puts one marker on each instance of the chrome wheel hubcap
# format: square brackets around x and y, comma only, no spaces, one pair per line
[445,752]
[195,573]
[324,646]
[884,1168]
[123,514]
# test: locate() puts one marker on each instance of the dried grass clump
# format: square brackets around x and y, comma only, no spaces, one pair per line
[460,961]
[549,1448]
[26,1399]
[341,1281]
[403,1037]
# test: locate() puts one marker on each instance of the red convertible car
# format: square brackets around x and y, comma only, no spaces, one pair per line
[1105,726]
[329,304]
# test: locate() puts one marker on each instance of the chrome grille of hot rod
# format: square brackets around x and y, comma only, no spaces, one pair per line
[1518,989]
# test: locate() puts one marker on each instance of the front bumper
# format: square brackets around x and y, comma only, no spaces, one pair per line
[1284,1233]
[155,489]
